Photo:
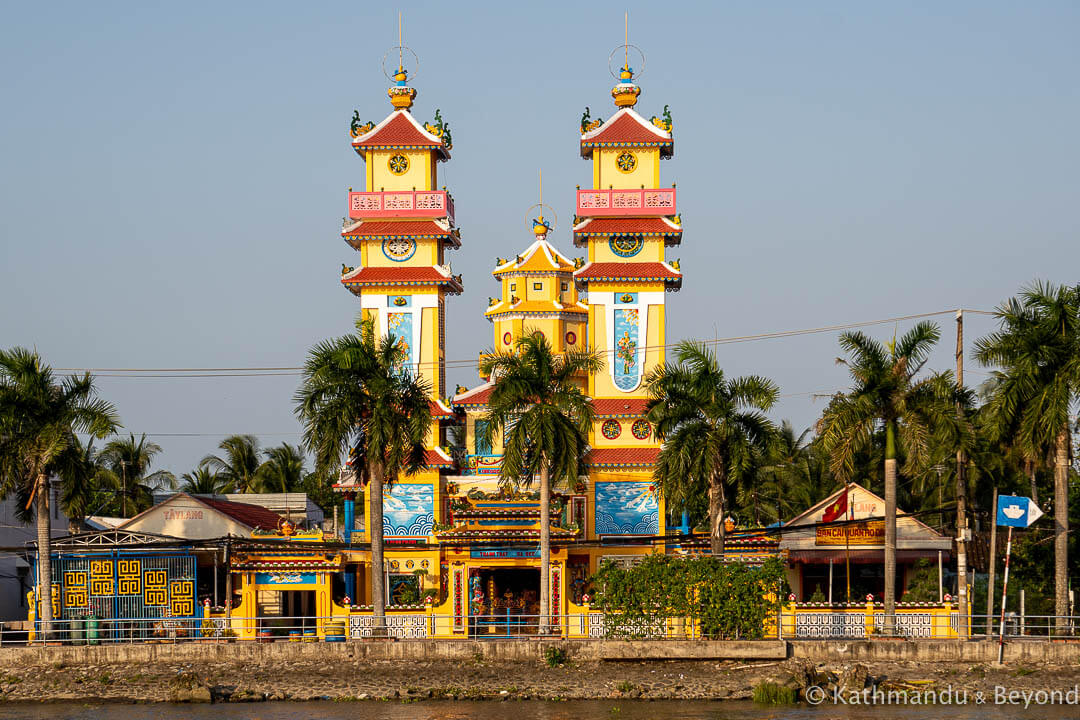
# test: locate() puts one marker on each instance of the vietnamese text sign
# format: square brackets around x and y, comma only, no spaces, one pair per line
[865,533]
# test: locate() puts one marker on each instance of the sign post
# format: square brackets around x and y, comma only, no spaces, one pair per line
[1012,512]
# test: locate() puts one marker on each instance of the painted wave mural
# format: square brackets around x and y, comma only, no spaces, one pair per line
[626,508]
[409,510]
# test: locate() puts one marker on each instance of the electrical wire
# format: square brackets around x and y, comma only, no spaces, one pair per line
[292,371]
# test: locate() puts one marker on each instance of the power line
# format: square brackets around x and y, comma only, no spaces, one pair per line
[292,371]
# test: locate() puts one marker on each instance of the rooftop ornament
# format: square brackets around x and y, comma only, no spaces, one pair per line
[626,91]
[401,93]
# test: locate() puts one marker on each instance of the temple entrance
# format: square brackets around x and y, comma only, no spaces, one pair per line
[504,602]
[283,611]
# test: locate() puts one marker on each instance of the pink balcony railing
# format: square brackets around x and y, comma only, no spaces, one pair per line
[659,201]
[400,203]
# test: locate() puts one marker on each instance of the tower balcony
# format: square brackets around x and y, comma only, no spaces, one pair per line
[401,204]
[611,202]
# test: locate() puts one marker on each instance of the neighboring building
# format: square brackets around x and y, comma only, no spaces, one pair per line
[297,508]
[16,578]
[836,533]
[193,517]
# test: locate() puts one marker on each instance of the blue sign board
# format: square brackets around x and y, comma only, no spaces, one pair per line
[285,578]
[497,553]
[1018,512]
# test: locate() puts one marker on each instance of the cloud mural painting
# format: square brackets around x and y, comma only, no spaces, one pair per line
[409,511]
[627,508]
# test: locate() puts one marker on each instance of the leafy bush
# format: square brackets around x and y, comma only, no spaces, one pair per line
[728,600]
[555,656]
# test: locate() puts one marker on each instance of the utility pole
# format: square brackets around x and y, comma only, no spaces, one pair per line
[961,495]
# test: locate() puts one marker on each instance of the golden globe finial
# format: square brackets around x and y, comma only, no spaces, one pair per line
[401,95]
[626,92]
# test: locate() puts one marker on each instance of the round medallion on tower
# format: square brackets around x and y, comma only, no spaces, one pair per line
[398,164]
[398,249]
[641,429]
[626,245]
[626,161]
[611,429]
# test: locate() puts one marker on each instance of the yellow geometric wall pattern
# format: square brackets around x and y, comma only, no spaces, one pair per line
[183,598]
[75,590]
[130,577]
[101,577]
[154,584]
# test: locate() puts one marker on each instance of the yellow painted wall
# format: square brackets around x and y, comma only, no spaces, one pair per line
[652,251]
[645,174]
[417,177]
[426,255]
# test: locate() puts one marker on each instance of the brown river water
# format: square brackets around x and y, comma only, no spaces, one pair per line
[526,710]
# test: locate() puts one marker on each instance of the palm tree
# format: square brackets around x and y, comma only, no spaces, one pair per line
[39,418]
[129,461]
[86,485]
[887,392]
[283,469]
[204,481]
[1037,351]
[795,476]
[538,408]
[711,428]
[240,466]
[355,395]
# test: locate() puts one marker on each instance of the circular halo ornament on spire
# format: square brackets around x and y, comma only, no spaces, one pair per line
[541,227]
[401,93]
[626,91]
[618,73]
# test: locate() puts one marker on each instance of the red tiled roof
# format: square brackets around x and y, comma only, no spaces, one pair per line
[399,276]
[434,459]
[398,228]
[627,226]
[622,457]
[616,407]
[476,396]
[626,130]
[400,131]
[438,410]
[641,272]
[254,516]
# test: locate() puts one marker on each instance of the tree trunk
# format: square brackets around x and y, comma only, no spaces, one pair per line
[44,558]
[890,528]
[1029,465]
[717,508]
[375,530]
[1061,530]
[545,549]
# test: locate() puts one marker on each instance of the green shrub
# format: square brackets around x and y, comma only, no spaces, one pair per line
[555,656]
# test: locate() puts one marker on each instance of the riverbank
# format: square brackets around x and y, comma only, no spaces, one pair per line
[317,673]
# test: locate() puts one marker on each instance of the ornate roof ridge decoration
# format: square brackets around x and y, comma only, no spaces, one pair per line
[630,272]
[555,261]
[476,396]
[643,457]
[626,128]
[537,308]
[399,131]
[439,409]
[437,458]
[402,277]
[415,228]
[619,407]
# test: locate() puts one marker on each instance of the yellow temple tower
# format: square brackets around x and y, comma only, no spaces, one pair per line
[402,225]
[625,223]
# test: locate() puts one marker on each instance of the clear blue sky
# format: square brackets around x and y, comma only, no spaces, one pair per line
[173,175]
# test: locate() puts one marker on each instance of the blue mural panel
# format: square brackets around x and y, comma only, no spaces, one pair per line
[626,508]
[627,366]
[409,510]
[400,325]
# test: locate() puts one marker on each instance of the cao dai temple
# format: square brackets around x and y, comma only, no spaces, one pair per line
[461,550]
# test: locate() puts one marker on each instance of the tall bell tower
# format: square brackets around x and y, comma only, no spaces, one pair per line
[626,222]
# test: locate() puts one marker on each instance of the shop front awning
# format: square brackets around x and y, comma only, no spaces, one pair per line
[862,555]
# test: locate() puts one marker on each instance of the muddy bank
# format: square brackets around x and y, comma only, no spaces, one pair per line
[478,678]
